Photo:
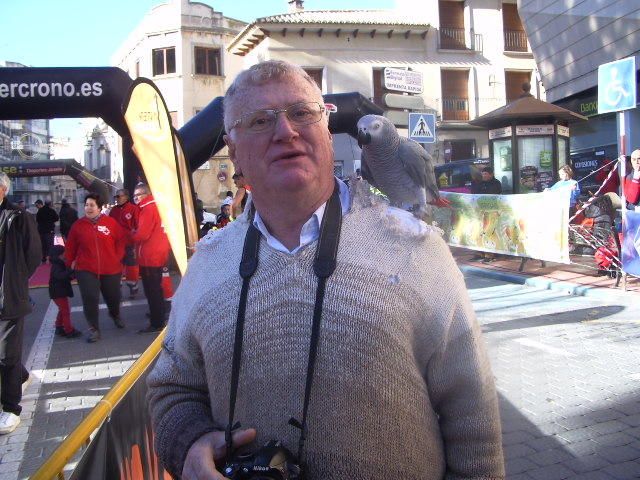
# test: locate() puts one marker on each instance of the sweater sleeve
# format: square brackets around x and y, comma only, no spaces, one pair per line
[462,390]
[178,395]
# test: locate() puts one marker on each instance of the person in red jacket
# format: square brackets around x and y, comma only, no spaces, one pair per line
[126,214]
[632,182]
[152,250]
[95,248]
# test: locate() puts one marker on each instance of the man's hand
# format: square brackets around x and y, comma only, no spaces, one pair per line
[208,449]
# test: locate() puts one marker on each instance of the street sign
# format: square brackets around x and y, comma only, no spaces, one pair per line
[422,127]
[617,86]
[402,80]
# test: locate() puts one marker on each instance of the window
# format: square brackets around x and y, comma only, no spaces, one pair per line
[452,32]
[164,61]
[459,150]
[316,74]
[515,38]
[207,61]
[378,88]
[513,84]
[455,94]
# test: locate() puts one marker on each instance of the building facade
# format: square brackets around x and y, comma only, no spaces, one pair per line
[472,57]
[584,35]
[24,141]
[180,45]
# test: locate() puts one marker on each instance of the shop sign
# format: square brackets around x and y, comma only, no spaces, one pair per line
[500,133]
[534,130]
[562,130]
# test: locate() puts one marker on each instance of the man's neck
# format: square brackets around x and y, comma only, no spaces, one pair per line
[285,219]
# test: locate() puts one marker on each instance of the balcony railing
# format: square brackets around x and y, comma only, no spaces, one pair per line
[515,41]
[451,38]
[455,109]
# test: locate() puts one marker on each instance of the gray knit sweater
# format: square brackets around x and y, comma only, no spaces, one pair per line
[403,387]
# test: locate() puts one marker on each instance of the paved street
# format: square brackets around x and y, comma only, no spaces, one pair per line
[568,375]
[567,370]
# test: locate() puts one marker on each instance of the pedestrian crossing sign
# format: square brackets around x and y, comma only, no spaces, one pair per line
[422,127]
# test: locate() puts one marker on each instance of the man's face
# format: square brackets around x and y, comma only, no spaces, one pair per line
[635,160]
[225,210]
[121,198]
[290,158]
[139,195]
[486,176]
[39,205]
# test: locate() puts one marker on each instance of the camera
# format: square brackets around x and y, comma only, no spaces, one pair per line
[271,462]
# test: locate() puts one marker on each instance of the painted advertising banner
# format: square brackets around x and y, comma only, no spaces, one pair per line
[534,225]
[631,243]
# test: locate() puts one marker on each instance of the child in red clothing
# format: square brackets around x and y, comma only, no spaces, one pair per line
[60,290]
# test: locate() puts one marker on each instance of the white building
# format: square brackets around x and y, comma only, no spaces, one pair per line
[473,56]
[180,45]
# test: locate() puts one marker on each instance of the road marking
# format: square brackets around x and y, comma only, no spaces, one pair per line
[527,342]
[36,364]
[103,306]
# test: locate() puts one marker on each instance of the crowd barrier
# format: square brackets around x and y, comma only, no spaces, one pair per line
[117,433]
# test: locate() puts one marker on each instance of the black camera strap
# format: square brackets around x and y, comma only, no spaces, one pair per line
[324,265]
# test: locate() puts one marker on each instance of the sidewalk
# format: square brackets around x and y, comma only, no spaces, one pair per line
[573,279]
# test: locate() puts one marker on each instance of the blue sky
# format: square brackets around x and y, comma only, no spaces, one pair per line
[75,33]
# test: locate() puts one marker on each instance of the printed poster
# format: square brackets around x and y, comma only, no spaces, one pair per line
[534,225]
[631,243]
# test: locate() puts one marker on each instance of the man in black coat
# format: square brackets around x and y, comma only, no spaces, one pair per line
[18,260]
[46,219]
[68,215]
[487,185]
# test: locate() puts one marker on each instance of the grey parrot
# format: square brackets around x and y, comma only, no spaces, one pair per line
[400,168]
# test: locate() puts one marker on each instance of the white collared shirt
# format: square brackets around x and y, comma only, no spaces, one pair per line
[311,229]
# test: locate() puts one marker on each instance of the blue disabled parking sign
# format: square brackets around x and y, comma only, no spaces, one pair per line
[617,85]
[422,127]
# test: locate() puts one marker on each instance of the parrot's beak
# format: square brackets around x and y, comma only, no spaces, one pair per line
[364,138]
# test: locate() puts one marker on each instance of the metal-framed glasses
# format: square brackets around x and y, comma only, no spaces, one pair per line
[299,114]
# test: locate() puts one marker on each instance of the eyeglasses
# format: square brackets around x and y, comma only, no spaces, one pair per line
[298,114]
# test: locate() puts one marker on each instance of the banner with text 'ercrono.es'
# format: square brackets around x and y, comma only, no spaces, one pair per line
[533,225]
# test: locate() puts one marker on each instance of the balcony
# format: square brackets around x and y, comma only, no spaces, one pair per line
[455,109]
[515,41]
[451,38]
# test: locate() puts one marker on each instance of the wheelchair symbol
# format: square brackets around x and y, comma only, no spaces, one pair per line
[615,90]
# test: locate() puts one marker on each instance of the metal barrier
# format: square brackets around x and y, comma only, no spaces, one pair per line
[53,467]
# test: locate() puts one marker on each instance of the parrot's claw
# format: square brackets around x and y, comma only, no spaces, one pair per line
[440,202]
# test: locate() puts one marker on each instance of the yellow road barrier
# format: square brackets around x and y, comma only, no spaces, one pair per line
[54,466]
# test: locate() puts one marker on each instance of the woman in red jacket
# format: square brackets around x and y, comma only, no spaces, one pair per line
[95,248]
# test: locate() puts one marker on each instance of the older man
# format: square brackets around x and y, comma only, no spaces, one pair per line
[19,258]
[152,251]
[401,384]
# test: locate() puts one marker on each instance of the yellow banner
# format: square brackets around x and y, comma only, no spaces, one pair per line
[534,225]
[155,146]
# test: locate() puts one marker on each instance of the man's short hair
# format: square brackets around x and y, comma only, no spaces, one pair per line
[64,201]
[38,202]
[144,187]
[487,170]
[123,191]
[5,181]
[236,176]
[257,75]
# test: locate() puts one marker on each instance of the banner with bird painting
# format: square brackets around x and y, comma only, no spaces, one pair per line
[533,225]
